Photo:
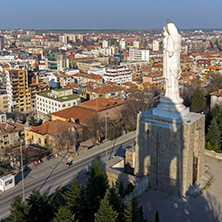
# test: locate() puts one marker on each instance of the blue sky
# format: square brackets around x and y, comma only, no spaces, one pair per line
[109,14]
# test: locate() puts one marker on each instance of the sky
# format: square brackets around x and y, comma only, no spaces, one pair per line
[109,14]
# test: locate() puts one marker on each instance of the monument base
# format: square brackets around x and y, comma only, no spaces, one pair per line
[170,150]
[171,109]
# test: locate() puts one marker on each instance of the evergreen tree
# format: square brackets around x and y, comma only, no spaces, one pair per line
[64,215]
[40,208]
[72,196]
[208,146]
[132,212]
[157,219]
[198,102]
[213,134]
[17,210]
[106,212]
[115,201]
[121,190]
[96,187]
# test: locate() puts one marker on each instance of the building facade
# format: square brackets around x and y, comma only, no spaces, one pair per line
[18,91]
[118,74]
[55,100]
[139,55]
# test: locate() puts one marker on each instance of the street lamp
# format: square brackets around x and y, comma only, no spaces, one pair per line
[106,132]
[23,187]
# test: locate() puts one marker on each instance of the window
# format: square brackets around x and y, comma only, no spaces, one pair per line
[40,141]
[5,136]
[69,104]
[8,182]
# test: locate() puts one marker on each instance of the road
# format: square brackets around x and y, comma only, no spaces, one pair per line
[58,176]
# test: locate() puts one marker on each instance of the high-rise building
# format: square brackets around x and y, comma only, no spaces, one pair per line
[19,94]
[139,55]
[63,39]
[136,44]
[56,61]
[123,44]
[2,42]
[106,43]
[156,45]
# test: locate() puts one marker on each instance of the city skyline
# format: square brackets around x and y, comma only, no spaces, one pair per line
[109,14]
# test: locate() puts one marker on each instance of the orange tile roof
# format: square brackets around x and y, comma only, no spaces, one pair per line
[9,127]
[53,127]
[84,111]
[71,85]
[106,89]
[146,83]
[128,84]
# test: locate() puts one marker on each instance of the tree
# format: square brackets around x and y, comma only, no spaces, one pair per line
[106,212]
[213,134]
[157,219]
[39,206]
[132,212]
[115,201]
[121,189]
[96,187]
[96,128]
[18,210]
[65,138]
[64,214]
[23,118]
[73,197]
[32,120]
[198,102]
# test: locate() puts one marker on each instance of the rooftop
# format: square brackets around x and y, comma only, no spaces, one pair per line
[53,127]
[59,99]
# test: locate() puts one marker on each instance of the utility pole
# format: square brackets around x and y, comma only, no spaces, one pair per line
[23,187]
[106,133]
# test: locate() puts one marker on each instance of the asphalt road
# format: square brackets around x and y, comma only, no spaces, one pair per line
[60,176]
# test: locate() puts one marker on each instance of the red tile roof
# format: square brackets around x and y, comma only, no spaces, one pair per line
[53,127]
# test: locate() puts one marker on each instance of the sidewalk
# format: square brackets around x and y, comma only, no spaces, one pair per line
[204,207]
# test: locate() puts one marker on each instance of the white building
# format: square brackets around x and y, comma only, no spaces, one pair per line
[123,44]
[106,43]
[139,55]
[119,74]
[55,100]
[136,44]
[7,182]
[156,45]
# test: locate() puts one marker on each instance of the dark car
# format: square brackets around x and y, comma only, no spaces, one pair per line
[25,168]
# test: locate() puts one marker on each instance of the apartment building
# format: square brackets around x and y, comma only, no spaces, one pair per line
[3,101]
[9,133]
[139,55]
[55,100]
[110,91]
[118,74]
[18,91]
[56,61]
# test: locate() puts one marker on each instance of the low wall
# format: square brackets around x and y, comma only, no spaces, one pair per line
[213,154]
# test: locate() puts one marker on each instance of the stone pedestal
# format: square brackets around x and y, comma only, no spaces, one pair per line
[170,149]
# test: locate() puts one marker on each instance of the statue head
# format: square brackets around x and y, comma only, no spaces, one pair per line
[171,29]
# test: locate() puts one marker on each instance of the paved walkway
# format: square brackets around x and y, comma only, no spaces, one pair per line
[205,207]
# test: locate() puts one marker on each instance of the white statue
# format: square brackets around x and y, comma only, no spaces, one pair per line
[171,105]
[171,60]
